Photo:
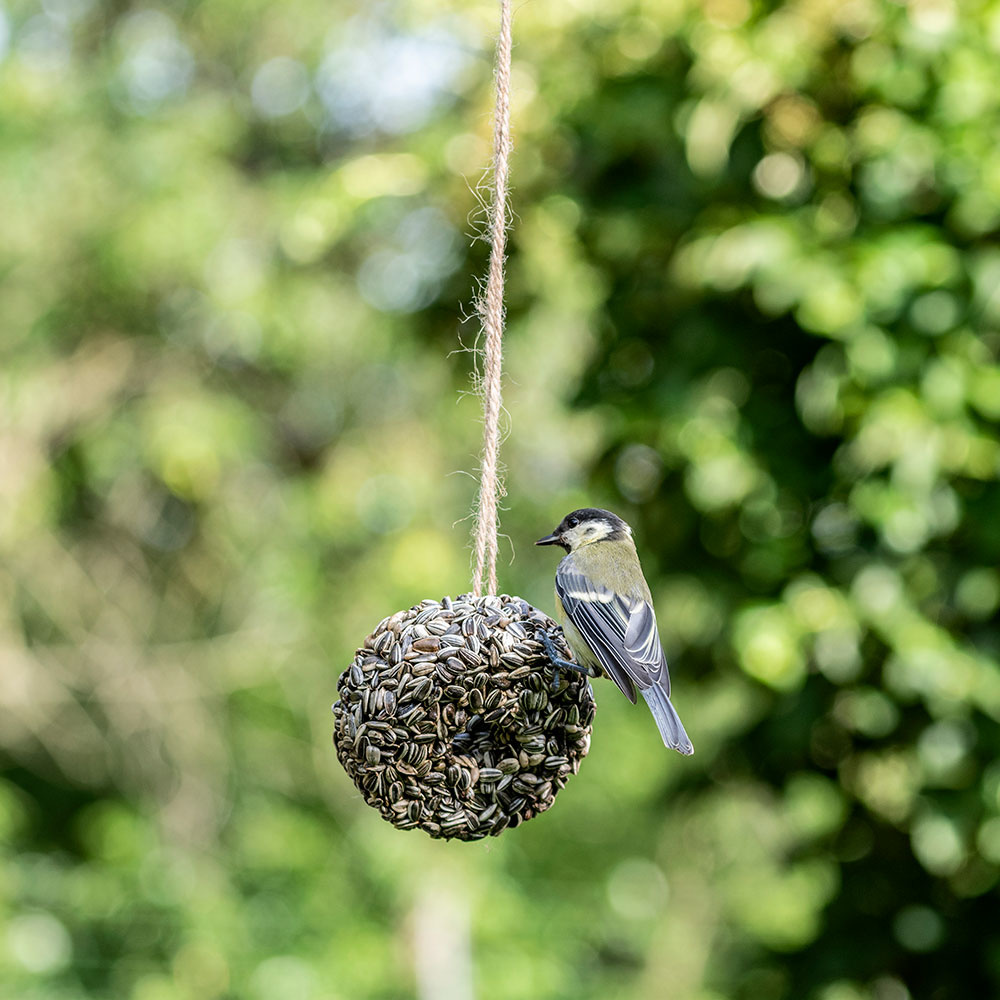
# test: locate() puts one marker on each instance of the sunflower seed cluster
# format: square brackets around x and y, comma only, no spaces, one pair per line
[451,719]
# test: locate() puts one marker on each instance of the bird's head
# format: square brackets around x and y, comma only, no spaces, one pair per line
[586,526]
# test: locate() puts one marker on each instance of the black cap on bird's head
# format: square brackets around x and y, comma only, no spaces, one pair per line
[588,524]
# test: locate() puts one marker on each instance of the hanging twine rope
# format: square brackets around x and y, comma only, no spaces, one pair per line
[491,311]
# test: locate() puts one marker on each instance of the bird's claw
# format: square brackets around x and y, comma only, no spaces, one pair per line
[559,662]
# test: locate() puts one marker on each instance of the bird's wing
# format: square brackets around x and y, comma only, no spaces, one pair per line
[642,643]
[621,631]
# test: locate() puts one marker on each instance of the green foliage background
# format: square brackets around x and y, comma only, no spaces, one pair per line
[753,307]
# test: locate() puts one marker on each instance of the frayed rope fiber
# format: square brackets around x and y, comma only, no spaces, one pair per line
[491,311]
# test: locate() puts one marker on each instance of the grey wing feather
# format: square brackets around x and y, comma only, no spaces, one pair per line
[622,633]
[642,643]
[601,617]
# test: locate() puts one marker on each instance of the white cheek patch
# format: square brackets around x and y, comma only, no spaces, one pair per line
[592,531]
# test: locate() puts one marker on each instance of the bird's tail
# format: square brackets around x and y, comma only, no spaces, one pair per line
[667,720]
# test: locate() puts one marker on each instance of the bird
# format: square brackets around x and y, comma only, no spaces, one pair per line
[606,611]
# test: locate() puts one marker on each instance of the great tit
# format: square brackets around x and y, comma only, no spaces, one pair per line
[606,611]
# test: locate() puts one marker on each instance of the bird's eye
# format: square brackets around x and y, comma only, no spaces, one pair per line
[573,522]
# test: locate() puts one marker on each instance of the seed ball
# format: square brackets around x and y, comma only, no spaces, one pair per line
[452,720]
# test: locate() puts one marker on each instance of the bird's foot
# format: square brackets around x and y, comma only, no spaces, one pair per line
[559,663]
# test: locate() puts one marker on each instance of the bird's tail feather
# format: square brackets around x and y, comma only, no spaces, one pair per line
[667,720]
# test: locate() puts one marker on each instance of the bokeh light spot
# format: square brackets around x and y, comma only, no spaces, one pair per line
[39,942]
[937,844]
[637,889]
[638,472]
[280,86]
[779,175]
[918,928]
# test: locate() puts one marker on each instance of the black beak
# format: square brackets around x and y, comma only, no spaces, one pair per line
[552,539]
